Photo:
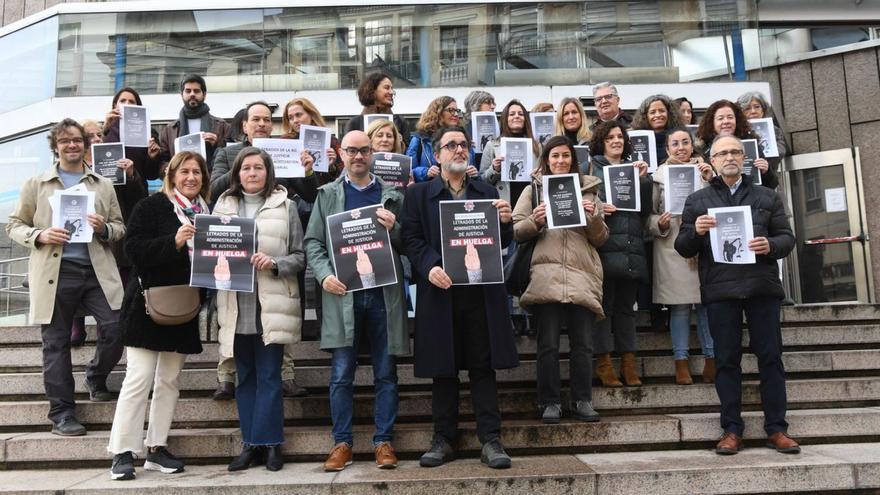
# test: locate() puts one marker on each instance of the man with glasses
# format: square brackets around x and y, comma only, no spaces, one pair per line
[729,290]
[377,314]
[461,327]
[65,275]
[608,106]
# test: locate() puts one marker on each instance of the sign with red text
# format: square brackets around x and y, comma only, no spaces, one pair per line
[470,233]
[360,248]
[222,251]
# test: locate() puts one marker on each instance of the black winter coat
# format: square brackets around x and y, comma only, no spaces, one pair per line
[434,354]
[623,254]
[149,243]
[719,281]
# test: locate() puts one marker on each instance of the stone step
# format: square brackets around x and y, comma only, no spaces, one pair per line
[317,377]
[514,402]
[818,469]
[519,436]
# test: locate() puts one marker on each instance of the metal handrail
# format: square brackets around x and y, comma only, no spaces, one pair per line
[7,287]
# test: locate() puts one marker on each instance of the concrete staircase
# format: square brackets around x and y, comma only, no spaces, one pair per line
[652,439]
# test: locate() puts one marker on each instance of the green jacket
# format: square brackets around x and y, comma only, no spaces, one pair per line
[337,323]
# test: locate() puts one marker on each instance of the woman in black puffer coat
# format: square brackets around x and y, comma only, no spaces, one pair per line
[624,262]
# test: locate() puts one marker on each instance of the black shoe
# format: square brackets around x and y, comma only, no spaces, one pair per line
[552,413]
[494,456]
[98,392]
[162,460]
[69,427]
[250,456]
[440,453]
[291,389]
[274,458]
[123,467]
[583,410]
[225,391]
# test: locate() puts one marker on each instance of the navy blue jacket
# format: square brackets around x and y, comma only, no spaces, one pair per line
[434,348]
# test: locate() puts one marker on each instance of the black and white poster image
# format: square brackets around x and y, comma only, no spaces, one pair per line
[681,182]
[470,236]
[583,156]
[543,125]
[750,148]
[767,134]
[316,141]
[285,155]
[191,142]
[731,235]
[222,251]
[370,117]
[70,211]
[622,188]
[518,159]
[105,157]
[644,148]
[485,128]
[562,195]
[134,126]
[392,168]
[361,249]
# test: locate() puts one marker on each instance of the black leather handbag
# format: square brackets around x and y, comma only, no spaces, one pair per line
[518,267]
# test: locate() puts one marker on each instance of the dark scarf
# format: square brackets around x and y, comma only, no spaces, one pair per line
[200,112]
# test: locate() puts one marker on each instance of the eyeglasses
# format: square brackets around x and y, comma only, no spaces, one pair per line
[454,111]
[353,152]
[452,146]
[725,153]
[604,97]
[65,142]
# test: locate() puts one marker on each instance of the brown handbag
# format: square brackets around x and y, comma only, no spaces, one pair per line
[171,304]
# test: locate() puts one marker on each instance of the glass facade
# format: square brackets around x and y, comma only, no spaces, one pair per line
[28,57]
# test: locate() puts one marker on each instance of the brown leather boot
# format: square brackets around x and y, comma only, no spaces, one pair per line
[683,372]
[709,371]
[605,371]
[628,370]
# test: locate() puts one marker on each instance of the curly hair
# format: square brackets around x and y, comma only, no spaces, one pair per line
[673,114]
[706,130]
[366,91]
[377,124]
[597,143]
[583,134]
[308,107]
[678,102]
[555,142]
[432,116]
[62,127]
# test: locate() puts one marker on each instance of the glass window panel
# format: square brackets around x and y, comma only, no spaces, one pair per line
[31,52]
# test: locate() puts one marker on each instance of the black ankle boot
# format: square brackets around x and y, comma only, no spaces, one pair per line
[274,458]
[250,456]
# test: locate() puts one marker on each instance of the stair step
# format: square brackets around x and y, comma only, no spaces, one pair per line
[818,469]
[526,436]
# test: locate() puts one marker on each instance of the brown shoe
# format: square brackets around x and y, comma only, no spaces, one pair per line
[385,458]
[605,371]
[339,457]
[730,444]
[783,443]
[683,372]
[225,391]
[709,371]
[289,388]
[628,370]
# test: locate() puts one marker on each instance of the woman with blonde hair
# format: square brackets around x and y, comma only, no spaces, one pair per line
[441,112]
[385,137]
[159,242]
[300,111]
[571,122]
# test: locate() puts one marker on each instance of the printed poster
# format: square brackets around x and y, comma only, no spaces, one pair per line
[134,126]
[191,142]
[681,182]
[105,156]
[70,210]
[543,125]
[484,128]
[316,141]
[370,117]
[767,136]
[622,187]
[392,168]
[285,155]
[562,195]
[470,235]
[222,251]
[360,248]
[644,148]
[750,147]
[518,159]
[731,235]
[582,153]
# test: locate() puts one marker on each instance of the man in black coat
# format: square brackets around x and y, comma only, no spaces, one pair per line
[729,290]
[461,326]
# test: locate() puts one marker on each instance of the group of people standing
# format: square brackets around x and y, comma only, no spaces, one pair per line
[584,281]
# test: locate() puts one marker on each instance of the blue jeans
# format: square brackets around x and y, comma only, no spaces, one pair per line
[258,394]
[369,322]
[680,328]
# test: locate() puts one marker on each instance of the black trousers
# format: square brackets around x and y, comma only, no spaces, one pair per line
[579,321]
[472,352]
[765,337]
[77,286]
[617,332]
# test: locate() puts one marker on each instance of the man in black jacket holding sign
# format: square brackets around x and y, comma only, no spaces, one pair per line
[729,290]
